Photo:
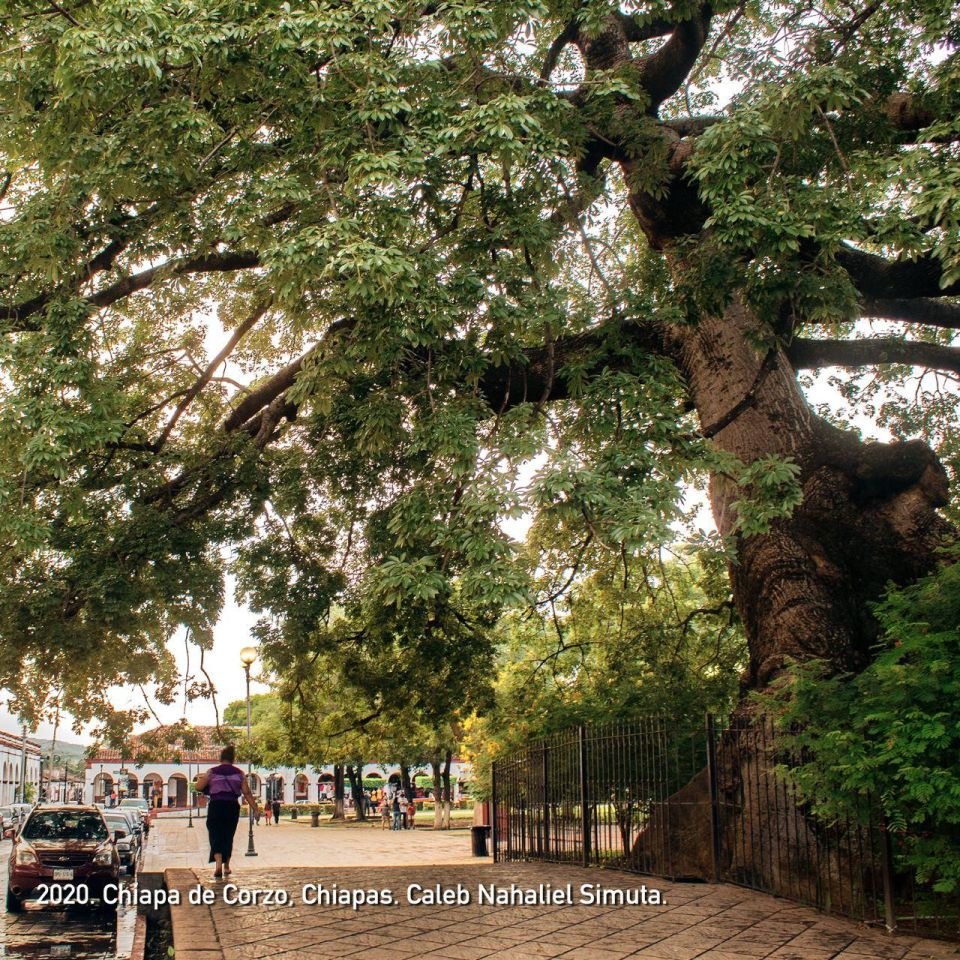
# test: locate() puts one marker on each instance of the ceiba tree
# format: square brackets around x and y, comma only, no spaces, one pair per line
[445,239]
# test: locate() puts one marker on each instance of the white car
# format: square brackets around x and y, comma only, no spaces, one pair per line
[138,806]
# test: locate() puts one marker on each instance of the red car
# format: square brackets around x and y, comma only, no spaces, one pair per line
[63,856]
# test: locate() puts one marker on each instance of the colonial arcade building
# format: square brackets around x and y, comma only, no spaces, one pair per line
[19,755]
[162,775]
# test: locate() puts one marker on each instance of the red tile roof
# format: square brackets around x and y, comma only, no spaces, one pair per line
[168,744]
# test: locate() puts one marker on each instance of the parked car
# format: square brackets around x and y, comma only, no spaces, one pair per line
[128,841]
[9,821]
[137,824]
[140,805]
[59,846]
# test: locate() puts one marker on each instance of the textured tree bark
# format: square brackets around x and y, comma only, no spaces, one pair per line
[868,515]
[338,813]
[447,793]
[437,765]
[355,776]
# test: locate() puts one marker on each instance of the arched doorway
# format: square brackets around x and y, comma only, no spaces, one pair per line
[177,790]
[153,788]
[102,787]
[325,786]
[255,784]
[133,785]
[301,787]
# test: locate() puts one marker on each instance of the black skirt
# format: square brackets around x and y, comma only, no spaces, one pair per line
[222,819]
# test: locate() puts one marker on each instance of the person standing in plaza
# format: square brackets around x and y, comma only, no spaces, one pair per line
[397,812]
[224,785]
[276,810]
[411,813]
[267,812]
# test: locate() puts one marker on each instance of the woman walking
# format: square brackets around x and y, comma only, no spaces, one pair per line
[224,785]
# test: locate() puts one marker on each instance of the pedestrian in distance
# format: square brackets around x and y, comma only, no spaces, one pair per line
[276,811]
[384,814]
[224,785]
[397,812]
[411,813]
[267,812]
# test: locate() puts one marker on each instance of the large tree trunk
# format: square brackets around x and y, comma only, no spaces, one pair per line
[338,813]
[437,765]
[354,775]
[447,796]
[803,590]
[868,515]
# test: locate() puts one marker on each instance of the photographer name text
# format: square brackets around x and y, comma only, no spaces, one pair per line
[414,895]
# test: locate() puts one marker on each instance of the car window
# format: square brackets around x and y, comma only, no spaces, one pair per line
[65,825]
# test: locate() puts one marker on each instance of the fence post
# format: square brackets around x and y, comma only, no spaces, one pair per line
[584,812]
[493,810]
[886,871]
[714,795]
[546,804]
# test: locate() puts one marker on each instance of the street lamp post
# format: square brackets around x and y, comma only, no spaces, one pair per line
[190,794]
[247,656]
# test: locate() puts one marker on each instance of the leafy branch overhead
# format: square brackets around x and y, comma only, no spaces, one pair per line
[306,292]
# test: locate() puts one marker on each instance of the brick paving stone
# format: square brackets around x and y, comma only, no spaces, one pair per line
[702,922]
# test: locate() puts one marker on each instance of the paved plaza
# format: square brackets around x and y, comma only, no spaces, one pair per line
[702,921]
[707,922]
[296,844]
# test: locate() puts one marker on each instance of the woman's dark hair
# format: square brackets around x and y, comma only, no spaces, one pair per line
[228,753]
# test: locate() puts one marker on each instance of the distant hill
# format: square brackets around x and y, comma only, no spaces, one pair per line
[64,748]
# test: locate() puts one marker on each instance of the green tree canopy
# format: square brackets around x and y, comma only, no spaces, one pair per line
[443,241]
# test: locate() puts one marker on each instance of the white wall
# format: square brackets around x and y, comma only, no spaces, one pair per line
[166,771]
[10,773]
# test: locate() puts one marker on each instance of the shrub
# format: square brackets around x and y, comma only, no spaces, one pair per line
[891,732]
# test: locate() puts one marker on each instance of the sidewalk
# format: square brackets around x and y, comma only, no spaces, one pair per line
[702,921]
[296,844]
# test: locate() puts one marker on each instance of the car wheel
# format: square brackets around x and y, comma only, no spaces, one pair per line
[14,903]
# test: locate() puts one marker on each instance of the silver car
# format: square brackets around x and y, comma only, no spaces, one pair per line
[128,844]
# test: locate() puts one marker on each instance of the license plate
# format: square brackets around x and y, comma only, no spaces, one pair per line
[62,874]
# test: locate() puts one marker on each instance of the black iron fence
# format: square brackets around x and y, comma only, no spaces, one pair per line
[702,800]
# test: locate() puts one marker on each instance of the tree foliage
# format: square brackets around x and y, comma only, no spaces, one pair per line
[892,732]
[445,242]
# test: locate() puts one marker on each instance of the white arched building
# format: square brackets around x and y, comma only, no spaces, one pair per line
[163,774]
[11,757]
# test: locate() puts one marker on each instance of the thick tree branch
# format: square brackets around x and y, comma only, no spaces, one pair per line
[565,37]
[930,312]
[206,376]
[637,29]
[877,277]
[805,354]
[663,73]
[225,262]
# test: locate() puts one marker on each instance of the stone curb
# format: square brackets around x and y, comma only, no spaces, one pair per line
[194,934]
[139,948]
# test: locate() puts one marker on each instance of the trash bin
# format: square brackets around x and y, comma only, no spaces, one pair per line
[314,818]
[478,836]
[293,813]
